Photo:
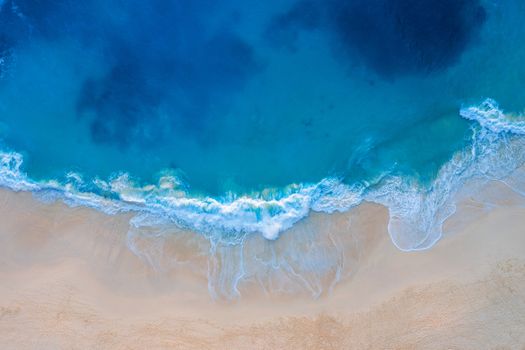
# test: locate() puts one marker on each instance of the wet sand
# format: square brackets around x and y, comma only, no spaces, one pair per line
[70,282]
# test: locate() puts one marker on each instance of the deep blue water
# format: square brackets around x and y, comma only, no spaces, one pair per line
[234,97]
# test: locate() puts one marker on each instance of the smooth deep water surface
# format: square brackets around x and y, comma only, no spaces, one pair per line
[181,107]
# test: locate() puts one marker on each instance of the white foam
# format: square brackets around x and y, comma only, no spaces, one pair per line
[491,117]
[234,215]
[417,213]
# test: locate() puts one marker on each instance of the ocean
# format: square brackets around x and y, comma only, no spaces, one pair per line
[234,118]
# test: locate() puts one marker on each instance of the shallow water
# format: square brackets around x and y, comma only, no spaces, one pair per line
[235,118]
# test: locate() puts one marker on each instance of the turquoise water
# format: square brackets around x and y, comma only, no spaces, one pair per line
[234,117]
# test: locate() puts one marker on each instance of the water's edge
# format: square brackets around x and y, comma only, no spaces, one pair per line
[416,212]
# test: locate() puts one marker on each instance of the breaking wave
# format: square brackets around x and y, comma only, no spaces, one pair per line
[417,212]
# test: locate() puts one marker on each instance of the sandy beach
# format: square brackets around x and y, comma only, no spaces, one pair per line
[70,282]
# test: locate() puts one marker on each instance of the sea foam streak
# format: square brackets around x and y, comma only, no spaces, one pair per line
[417,213]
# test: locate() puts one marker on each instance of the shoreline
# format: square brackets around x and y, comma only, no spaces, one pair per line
[69,269]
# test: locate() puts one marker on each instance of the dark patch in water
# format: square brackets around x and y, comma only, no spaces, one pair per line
[125,101]
[391,37]
[159,54]
[395,37]
[170,64]
[285,28]
[120,102]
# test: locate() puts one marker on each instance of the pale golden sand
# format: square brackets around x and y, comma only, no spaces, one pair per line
[68,281]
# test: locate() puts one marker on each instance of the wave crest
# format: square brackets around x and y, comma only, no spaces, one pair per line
[491,117]
[417,212]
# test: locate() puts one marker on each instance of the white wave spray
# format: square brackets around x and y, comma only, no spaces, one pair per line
[417,212]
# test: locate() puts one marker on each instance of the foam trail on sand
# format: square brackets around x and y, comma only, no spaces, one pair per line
[417,213]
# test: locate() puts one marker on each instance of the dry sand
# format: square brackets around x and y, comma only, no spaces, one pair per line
[68,281]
